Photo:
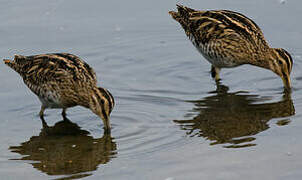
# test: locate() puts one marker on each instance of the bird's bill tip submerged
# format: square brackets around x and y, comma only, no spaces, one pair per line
[286,82]
[107,125]
[105,119]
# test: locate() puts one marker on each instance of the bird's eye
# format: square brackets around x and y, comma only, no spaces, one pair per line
[280,62]
[102,101]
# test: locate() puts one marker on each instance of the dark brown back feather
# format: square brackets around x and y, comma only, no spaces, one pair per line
[39,69]
[213,24]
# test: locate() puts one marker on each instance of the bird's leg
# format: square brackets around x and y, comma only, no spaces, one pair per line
[215,73]
[44,123]
[64,113]
[41,113]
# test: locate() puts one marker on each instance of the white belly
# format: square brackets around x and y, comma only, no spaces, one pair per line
[51,100]
[209,53]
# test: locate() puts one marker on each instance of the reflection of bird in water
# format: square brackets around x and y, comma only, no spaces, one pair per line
[65,149]
[233,118]
[63,80]
[229,39]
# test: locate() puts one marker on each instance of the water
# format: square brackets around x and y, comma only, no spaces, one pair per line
[171,120]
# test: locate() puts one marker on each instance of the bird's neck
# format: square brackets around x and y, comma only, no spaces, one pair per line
[263,59]
[87,97]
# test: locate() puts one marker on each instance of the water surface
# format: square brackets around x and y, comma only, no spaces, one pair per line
[171,120]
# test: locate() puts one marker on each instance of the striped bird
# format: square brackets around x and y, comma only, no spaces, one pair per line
[63,80]
[229,39]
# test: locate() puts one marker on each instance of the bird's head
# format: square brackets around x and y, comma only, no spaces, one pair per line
[102,103]
[281,63]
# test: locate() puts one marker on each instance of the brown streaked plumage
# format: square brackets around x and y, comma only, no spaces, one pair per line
[229,39]
[62,80]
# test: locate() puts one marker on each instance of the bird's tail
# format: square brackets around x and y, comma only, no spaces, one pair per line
[10,63]
[182,16]
[16,63]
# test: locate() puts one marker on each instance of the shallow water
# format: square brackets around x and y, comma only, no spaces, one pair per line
[171,120]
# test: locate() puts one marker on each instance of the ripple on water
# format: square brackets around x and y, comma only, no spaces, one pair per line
[140,130]
[150,67]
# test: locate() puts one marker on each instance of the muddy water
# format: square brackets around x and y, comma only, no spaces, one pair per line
[171,120]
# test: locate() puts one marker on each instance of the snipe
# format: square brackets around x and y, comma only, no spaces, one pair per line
[63,80]
[229,39]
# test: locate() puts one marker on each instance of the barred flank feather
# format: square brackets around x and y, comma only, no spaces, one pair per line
[229,39]
[63,80]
